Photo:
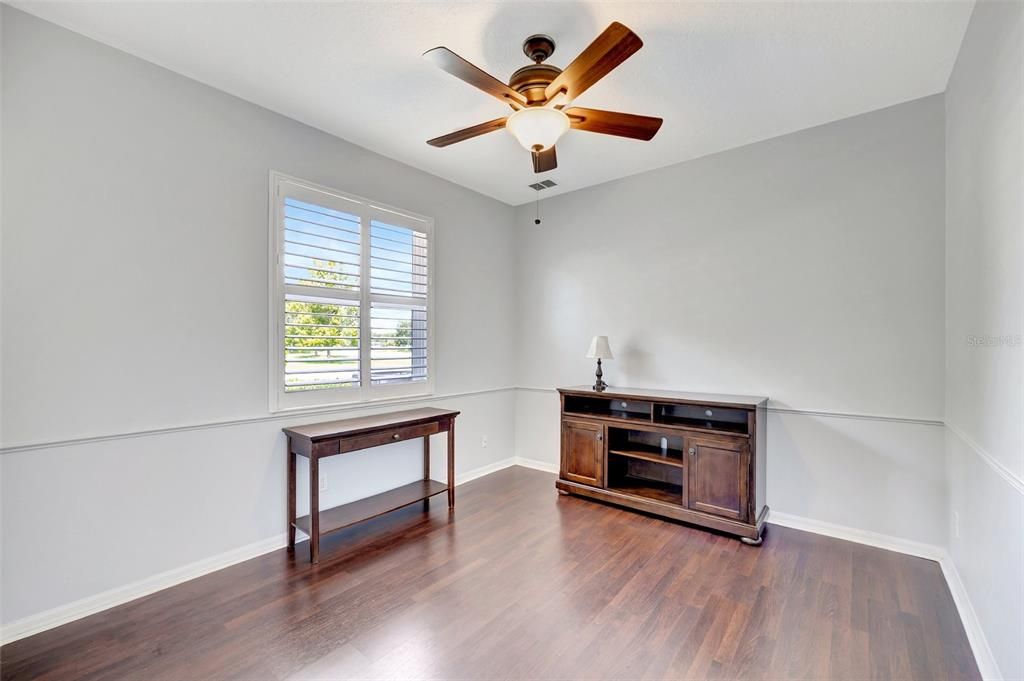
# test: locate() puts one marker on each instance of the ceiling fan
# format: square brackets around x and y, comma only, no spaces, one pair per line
[539,94]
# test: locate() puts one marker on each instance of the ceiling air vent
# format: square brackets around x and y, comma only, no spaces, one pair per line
[546,184]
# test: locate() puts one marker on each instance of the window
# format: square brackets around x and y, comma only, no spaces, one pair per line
[350,298]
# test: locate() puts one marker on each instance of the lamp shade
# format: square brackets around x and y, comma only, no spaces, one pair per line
[599,348]
[537,128]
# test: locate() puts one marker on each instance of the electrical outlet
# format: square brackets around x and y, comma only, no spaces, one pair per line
[956,524]
[483,442]
[323,484]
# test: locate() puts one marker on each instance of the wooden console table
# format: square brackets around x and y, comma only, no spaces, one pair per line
[321,440]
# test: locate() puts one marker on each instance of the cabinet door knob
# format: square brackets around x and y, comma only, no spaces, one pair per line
[600,437]
[396,436]
[692,451]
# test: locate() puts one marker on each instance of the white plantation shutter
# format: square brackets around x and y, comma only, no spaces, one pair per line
[350,298]
[398,304]
[329,360]
[321,271]
[321,246]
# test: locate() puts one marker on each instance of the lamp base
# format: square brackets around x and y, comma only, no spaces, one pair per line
[599,384]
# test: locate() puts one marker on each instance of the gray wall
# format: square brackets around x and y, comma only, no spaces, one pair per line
[808,268]
[134,296]
[985,323]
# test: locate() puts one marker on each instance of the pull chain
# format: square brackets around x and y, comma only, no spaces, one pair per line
[536,220]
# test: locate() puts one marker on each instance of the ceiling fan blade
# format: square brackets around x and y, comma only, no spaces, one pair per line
[608,50]
[613,123]
[544,161]
[448,61]
[468,133]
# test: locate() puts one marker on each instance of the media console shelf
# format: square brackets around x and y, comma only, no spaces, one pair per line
[694,457]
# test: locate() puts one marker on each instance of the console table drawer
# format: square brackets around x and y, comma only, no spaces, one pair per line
[398,434]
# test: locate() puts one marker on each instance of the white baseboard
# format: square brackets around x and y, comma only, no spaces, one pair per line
[972,625]
[55,617]
[480,472]
[987,664]
[881,541]
[536,465]
[48,619]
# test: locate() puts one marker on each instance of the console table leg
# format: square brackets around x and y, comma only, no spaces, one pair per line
[451,464]
[426,467]
[291,497]
[314,509]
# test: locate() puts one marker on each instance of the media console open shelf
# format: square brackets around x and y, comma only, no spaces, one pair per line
[693,457]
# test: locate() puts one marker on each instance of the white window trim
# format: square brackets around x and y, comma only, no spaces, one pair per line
[367,209]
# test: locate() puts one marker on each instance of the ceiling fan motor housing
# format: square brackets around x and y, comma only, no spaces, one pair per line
[530,81]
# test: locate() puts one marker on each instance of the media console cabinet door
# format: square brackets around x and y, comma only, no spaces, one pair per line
[582,452]
[718,476]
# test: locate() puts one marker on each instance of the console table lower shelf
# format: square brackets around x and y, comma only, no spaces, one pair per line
[340,517]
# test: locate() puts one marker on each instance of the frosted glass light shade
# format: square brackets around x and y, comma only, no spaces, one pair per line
[537,128]
[599,348]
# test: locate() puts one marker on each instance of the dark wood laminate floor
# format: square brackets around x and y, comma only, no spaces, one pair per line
[522,583]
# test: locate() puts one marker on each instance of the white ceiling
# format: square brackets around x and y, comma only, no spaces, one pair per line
[721,74]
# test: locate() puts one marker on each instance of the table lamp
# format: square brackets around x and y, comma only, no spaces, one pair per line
[599,349]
